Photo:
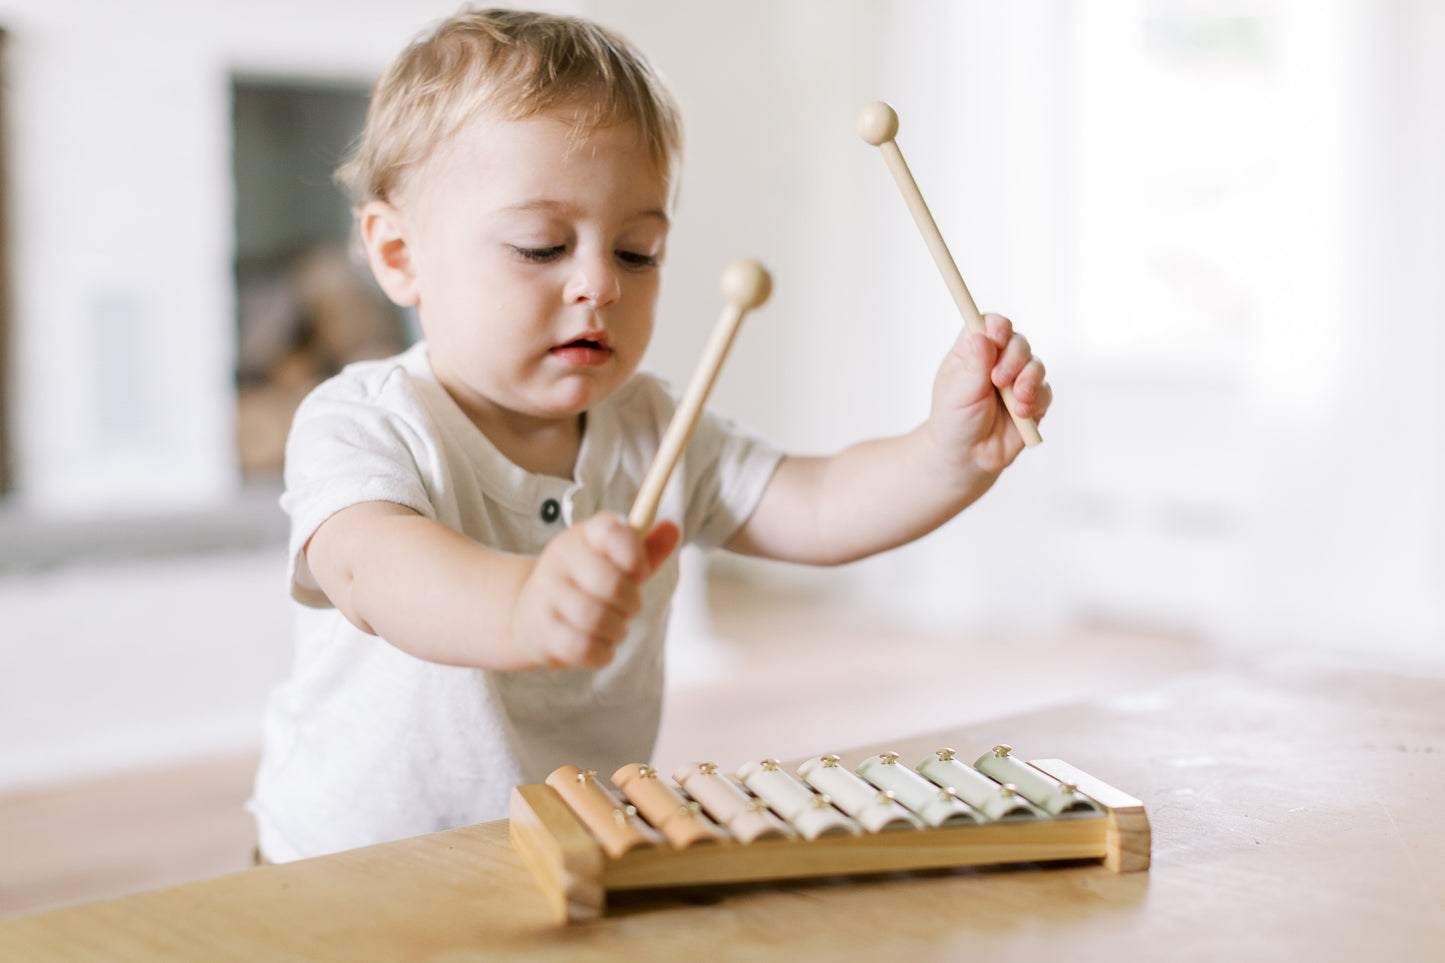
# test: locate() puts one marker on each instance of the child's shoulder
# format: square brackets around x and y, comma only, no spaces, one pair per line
[372,380]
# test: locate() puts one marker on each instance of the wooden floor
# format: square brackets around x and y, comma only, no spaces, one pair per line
[788,676]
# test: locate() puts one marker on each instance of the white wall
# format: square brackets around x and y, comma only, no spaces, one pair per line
[847,347]
[1256,304]
[1346,529]
[122,230]
[1219,222]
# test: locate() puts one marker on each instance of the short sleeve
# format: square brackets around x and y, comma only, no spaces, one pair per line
[353,440]
[725,471]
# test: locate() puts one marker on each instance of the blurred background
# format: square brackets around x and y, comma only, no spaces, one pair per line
[1221,223]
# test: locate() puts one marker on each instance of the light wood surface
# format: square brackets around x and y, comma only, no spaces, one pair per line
[878,125]
[745,285]
[807,659]
[1295,813]
[123,834]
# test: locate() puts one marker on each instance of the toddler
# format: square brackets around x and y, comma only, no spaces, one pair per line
[473,609]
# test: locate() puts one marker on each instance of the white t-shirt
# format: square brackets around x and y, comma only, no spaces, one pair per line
[365,743]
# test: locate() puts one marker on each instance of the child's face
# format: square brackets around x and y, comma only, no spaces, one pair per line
[533,263]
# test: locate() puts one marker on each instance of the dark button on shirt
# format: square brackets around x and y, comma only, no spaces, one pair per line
[551,510]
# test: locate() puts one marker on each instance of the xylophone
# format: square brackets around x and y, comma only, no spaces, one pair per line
[582,839]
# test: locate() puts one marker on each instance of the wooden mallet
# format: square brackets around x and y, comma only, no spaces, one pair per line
[878,125]
[745,285]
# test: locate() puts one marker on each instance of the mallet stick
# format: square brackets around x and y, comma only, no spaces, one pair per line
[745,285]
[878,125]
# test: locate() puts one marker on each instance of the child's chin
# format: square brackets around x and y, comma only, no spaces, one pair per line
[576,396]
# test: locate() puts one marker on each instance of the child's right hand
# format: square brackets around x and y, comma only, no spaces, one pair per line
[583,589]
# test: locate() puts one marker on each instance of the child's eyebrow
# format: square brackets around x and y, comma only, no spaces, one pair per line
[562,209]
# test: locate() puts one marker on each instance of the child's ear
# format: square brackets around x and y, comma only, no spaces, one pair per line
[388,251]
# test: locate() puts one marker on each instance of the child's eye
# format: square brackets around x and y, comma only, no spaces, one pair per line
[539,255]
[634,259]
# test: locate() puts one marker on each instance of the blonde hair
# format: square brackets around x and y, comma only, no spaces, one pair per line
[513,62]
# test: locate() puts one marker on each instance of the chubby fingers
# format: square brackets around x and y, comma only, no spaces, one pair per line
[660,543]
[600,567]
[613,538]
[575,606]
[607,573]
[1032,402]
[1017,366]
[610,537]
[998,329]
[1013,349]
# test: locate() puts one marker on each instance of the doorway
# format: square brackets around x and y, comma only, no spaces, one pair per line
[305,305]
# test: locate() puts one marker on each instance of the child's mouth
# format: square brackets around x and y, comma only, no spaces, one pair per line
[583,352]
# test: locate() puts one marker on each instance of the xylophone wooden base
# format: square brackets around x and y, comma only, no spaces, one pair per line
[575,874]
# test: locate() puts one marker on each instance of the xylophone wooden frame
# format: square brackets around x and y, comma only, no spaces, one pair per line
[575,874]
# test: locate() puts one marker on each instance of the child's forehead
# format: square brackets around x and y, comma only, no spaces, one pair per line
[573,127]
[530,148]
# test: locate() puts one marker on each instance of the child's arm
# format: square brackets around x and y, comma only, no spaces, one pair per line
[443,597]
[880,494]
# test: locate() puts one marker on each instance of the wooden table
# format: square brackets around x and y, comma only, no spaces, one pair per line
[1298,814]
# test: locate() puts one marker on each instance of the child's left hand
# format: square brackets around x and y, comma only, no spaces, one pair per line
[968,422]
[883,492]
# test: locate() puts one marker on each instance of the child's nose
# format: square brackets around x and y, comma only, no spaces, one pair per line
[595,281]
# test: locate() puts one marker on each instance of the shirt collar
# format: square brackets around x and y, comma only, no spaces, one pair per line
[505,481]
